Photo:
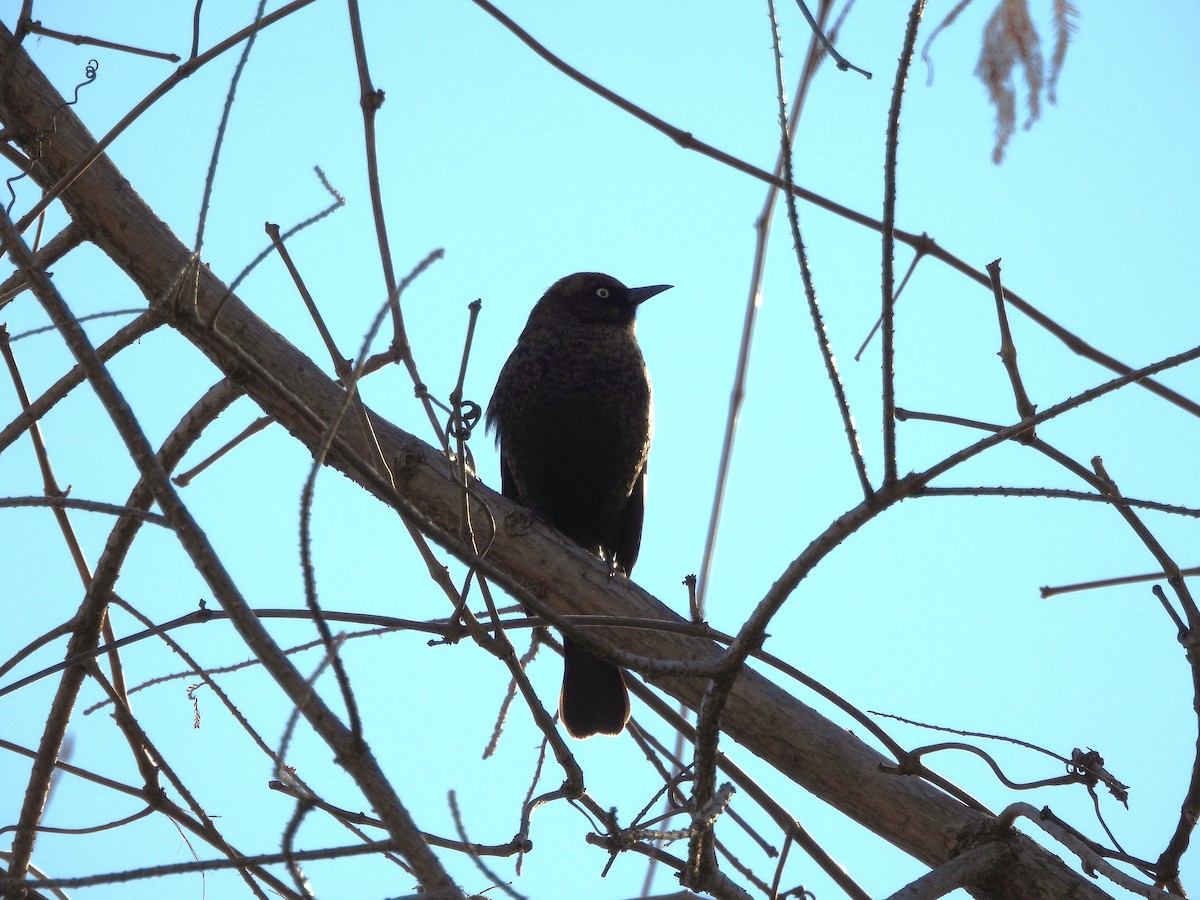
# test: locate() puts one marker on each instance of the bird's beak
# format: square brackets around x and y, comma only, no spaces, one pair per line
[642,294]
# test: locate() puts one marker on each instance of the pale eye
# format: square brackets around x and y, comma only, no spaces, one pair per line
[602,293]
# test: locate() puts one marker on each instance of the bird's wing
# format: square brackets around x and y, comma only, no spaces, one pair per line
[629,539]
[508,484]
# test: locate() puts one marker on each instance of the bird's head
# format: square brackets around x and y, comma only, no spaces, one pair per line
[593,297]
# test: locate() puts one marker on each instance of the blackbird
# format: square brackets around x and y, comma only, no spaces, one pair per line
[572,417]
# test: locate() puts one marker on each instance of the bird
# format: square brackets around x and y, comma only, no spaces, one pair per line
[572,417]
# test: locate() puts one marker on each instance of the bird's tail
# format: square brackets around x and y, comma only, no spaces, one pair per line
[594,699]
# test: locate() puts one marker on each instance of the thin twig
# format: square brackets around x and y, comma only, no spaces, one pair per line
[371,99]
[1182,630]
[912,267]
[1052,493]
[1008,353]
[1048,592]
[219,140]
[210,865]
[341,365]
[111,509]
[810,291]
[79,40]
[1167,866]
[737,393]
[888,315]
[338,202]
[107,314]
[126,335]
[58,246]
[460,827]
[840,61]
[183,479]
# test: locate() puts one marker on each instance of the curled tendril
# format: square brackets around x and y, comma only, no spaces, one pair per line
[465,419]
[1083,765]
[42,138]
[1089,768]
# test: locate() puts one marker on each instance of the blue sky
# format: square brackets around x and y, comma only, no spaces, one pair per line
[931,612]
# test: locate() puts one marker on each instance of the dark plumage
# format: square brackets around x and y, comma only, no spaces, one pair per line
[572,417]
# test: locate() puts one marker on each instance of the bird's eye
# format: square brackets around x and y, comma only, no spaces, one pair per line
[602,293]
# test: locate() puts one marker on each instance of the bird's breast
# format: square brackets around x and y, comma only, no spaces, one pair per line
[572,410]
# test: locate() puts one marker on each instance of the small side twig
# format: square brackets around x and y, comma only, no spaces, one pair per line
[341,365]
[1047,591]
[1162,598]
[183,479]
[79,40]
[219,140]
[840,61]
[1008,354]
[56,248]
